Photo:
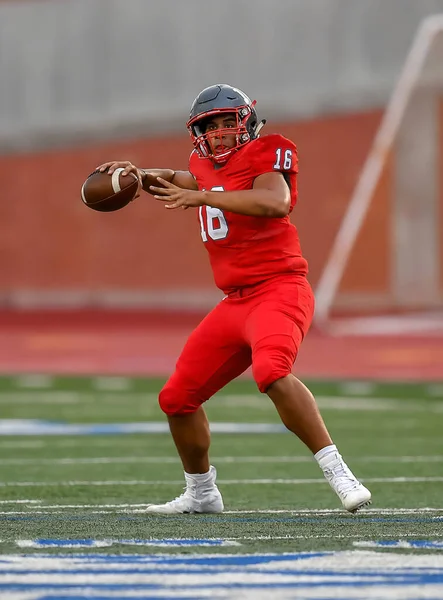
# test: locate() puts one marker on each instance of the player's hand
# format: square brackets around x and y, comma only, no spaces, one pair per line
[175,196]
[127,167]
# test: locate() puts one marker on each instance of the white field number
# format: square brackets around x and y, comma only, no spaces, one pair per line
[215,225]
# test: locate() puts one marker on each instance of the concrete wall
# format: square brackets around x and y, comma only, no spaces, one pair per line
[97,68]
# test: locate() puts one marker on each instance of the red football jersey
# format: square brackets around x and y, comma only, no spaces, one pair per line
[246,250]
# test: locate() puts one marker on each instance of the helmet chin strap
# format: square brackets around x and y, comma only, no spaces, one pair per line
[260,127]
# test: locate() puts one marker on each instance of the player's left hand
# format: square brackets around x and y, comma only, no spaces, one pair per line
[175,196]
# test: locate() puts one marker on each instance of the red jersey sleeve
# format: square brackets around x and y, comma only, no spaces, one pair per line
[274,153]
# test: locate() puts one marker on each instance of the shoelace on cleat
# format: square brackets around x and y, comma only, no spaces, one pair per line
[344,482]
[182,496]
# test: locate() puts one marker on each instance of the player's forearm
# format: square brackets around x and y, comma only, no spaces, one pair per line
[254,203]
[149,177]
[182,179]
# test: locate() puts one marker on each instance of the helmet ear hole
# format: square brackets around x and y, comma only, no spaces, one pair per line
[258,128]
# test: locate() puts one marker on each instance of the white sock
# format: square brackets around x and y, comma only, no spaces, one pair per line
[324,455]
[200,478]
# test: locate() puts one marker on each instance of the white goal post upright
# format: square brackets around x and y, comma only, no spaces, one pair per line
[359,204]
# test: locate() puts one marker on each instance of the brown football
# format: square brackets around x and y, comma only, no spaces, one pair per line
[107,193]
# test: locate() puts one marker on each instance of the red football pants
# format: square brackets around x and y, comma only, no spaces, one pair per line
[262,325]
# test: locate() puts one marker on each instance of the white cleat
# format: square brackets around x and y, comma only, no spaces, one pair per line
[352,493]
[197,498]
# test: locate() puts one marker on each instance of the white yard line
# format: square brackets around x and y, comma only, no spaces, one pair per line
[221,482]
[327,511]
[123,441]
[110,390]
[32,544]
[20,501]
[112,384]
[332,402]
[217,459]
[358,388]
[90,461]
[106,543]
[35,398]
[37,381]
[59,509]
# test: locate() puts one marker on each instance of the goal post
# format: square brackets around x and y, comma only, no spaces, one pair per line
[410,139]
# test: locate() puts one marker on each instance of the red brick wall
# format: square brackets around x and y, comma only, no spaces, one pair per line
[50,241]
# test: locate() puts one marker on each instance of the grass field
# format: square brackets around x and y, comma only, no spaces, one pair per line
[86,492]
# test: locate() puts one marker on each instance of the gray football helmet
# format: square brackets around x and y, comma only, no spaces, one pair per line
[217,99]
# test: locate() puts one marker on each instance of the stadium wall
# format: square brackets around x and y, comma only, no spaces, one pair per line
[89,69]
[53,250]
[85,81]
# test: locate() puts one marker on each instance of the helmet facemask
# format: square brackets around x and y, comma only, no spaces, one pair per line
[244,131]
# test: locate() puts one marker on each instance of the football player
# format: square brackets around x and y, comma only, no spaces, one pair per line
[244,187]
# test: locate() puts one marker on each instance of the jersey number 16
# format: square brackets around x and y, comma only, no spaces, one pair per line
[283,159]
[214,225]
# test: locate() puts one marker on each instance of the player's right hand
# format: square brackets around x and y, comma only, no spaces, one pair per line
[126,165]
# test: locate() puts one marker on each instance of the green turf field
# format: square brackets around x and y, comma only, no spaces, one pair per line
[94,486]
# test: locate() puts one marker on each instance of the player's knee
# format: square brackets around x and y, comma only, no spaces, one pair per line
[175,401]
[271,363]
[268,370]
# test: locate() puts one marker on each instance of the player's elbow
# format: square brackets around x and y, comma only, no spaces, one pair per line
[275,205]
[281,208]
[286,207]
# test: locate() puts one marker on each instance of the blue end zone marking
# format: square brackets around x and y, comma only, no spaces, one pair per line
[127,596]
[220,560]
[339,579]
[225,576]
[428,544]
[326,578]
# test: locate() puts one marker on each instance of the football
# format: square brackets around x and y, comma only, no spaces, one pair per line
[107,193]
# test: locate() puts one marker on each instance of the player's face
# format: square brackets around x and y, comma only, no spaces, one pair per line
[219,137]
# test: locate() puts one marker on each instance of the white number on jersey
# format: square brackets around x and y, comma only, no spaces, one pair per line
[216,226]
[287,159]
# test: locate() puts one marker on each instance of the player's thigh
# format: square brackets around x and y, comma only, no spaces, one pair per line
[214,354]
[276,327]
[275,343]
